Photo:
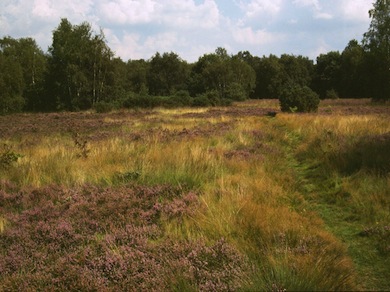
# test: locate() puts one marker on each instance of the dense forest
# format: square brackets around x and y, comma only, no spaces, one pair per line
[80,72]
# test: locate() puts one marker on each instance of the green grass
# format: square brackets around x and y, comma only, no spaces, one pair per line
[348,203]
[285,191]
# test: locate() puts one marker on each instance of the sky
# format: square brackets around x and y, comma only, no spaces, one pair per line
[137,29]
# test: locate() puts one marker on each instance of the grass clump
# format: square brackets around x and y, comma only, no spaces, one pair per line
[196,199]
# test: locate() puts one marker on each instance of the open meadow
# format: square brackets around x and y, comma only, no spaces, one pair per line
[240,198]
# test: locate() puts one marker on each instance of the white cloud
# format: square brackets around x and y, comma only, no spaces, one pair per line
[44,9]
[312,3]
[322,47]
[177,13]
[51,10]
[323,15]
[318,10]
[163,42]
[256,7]
[186,14]
[246,35]
[127,47]
[139,28]
[127,11]
[356,10]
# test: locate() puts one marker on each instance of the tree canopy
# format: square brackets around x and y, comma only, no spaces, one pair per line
[376,42]
[80,71]
[79,65]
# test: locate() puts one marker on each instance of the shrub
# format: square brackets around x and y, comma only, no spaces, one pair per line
[331,94]
[8,156]
[298,98]
[10,105]
[201,101]
[144,101]
[211,98]
[104,107]
[180,98]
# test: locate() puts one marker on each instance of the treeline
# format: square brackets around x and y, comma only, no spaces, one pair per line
[80,71]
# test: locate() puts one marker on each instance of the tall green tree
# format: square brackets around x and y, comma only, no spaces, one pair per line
[167,74]
[327,73]
[79,65]
[137,76]
[376,42]
[266,69]
[11,85]
[353,78]
[244,78]
[288,70]
[26,54]
[230,76]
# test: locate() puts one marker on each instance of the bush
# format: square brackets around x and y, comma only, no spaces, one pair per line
[8,156]
[144,101]
[298,98]
[9,105]
[211,98]
[179,99]
[104,107]
[331,94]
[201,101]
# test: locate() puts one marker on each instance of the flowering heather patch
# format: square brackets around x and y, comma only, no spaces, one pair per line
[79,122]
[161,195]
[92,238]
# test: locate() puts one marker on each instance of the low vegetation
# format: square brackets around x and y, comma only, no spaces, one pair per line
[187,199]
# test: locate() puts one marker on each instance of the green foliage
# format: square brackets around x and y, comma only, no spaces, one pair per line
[230,76]
[327,73]
[331,94]
[180,99]
[201,101]
[11,85]
[292,69]
[126,177]
[79,66]
[23,72]
[298,98]
[80,72]
[167,73]
[144,101]
[377,45]
[236,92]
[266,69]
[210,98]
[81,145]
[353,76]
[105,107]
[8,156]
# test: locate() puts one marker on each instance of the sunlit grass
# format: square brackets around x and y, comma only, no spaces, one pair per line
[258,180]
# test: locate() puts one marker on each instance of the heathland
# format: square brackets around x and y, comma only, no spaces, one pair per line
[226,198]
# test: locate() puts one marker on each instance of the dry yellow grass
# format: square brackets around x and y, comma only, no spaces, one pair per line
[249,191]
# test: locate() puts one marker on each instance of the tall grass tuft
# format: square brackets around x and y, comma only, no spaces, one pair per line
[196,199]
